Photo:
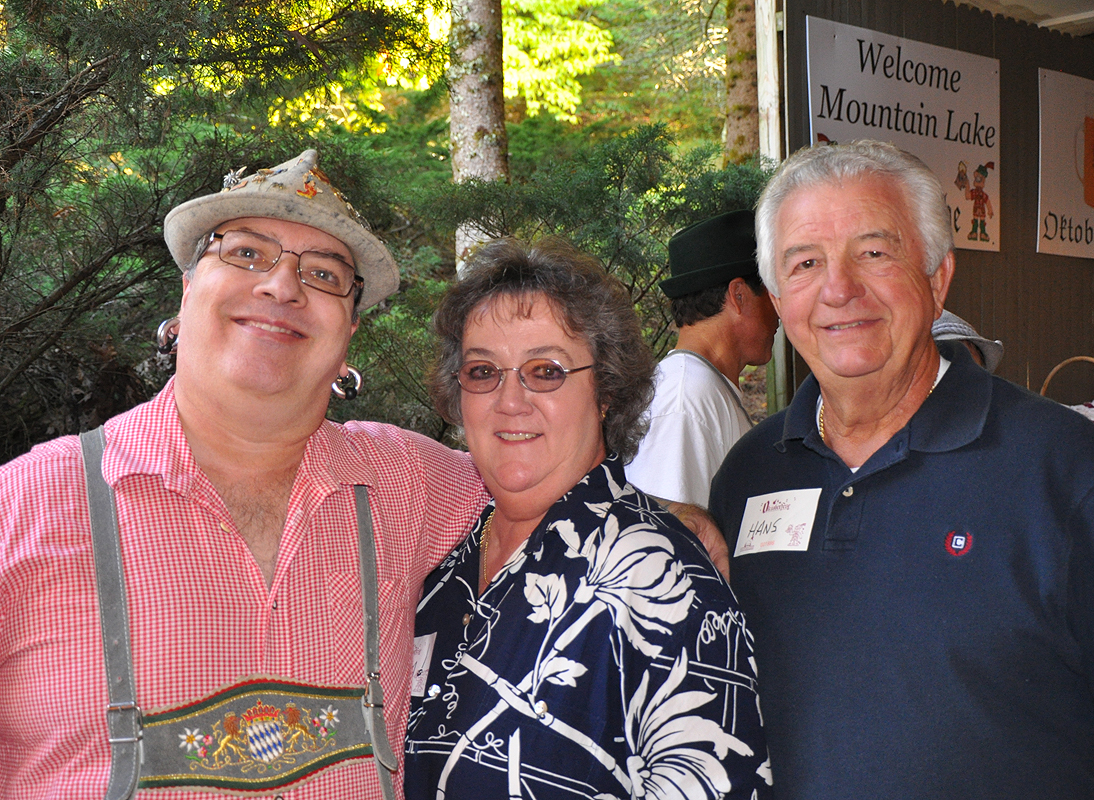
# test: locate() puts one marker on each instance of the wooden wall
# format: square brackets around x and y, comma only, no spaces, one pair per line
[1040,306]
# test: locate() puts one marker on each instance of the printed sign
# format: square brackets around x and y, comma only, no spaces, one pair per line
[1066,196]
[777,521]
[940,104]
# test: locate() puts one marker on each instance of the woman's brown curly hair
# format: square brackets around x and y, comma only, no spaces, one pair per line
[591,305]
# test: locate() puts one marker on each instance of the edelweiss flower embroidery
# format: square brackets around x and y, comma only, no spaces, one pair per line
[663,736]
[190,739]
[329,716]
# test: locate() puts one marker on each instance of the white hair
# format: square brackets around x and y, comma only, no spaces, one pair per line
[834,164]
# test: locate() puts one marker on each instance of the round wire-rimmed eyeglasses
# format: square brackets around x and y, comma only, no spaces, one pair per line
[323,272]
[536,374]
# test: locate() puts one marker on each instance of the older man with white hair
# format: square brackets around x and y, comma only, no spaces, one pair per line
[209,596]
[913,538]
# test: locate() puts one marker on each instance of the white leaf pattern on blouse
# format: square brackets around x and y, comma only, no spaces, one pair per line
[546,594]
[634,572]
[662,734]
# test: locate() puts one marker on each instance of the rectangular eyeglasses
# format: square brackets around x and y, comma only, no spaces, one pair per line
[321,271]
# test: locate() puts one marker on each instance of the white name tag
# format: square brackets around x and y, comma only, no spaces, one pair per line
[423,655]
[778,521]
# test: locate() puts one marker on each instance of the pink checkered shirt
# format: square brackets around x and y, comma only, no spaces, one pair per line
[200,612]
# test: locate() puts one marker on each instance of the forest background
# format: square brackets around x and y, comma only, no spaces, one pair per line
[619,117]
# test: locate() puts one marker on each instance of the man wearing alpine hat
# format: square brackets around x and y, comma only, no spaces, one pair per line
[726,322]
[249,569]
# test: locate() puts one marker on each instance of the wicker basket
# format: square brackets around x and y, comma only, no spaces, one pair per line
[1060,366]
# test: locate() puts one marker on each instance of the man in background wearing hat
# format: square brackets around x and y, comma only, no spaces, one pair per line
[951,328]
[266,600]
[726,322]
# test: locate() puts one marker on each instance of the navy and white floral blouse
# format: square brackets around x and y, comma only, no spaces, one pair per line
[608,659]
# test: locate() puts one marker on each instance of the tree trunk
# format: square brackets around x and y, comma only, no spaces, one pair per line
[480,146]
[741,135]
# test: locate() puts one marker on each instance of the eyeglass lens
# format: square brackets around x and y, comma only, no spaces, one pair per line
[537,374]
[257,253]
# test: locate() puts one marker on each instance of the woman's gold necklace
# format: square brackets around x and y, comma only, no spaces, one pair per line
[484,545]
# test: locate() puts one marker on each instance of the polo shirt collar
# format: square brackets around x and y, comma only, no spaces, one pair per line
[951,417]
[955,413]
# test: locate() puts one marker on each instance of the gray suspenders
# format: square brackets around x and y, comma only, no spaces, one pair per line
[123,713]
[373,701]
[123,716]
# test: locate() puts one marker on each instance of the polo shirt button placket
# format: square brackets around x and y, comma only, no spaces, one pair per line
[844,520]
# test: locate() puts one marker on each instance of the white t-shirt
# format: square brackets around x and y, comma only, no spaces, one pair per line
[695,417]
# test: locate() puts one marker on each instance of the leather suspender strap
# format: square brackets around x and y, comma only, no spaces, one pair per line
[373,701]
[123,715]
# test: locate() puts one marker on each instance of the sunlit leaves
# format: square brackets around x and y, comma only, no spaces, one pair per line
[547,46]
[672,68]
[352,105]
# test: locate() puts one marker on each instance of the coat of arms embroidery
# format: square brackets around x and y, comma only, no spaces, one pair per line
[264,737]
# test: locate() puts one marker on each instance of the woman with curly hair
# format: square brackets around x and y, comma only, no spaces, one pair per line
[579,643]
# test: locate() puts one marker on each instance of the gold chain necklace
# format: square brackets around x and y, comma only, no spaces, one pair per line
[484,545]
[820,414]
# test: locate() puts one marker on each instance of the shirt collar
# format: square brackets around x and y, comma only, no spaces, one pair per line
[952,416]
[335,458]
[149,440]
[602,485]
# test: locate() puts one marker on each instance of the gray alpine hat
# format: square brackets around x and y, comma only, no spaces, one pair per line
[950,327]
[296,191]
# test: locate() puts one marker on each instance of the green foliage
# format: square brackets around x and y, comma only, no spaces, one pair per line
[621,199]
[543,140]
[393,349]
[102,130]
[671,67]
[546,48]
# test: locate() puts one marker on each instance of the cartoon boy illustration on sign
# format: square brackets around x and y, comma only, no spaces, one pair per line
[981,203]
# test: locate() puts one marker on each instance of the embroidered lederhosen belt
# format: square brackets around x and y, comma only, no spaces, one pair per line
[256,736]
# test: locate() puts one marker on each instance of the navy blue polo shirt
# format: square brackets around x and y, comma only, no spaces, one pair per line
[936,639]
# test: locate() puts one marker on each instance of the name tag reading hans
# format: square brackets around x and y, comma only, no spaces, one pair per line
[778,521]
